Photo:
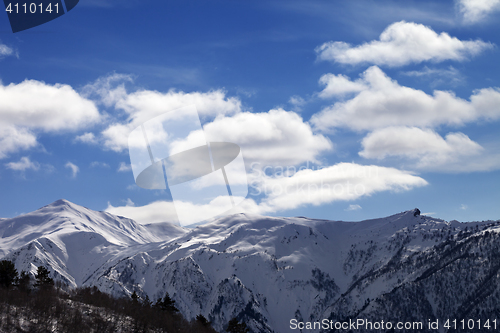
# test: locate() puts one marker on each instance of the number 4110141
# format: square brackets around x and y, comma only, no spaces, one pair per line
[32,8]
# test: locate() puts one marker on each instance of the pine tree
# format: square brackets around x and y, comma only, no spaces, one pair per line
[42,278]
[8,273]
[134,297]
[168,304]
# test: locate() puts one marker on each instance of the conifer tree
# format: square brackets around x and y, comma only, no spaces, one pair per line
[167,304]
[42,278]
[8,273]
[134,297]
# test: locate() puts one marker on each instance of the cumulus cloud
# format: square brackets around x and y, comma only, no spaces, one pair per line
[13,139]
[24,164]
[339,85]
[385,103]
[403,43]
[144,105]
[74,169]
[273,137]
[426,147]
[276,137]
[474,11]
[33,106]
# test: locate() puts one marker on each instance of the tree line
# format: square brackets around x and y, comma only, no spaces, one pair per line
[40,305]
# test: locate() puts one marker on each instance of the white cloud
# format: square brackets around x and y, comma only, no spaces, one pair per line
[144,105]
[273,137]
[339,85]
[353,208]
[165,211]
[124,167]
[38,105]
[426,147]
[24,164]
[403,43]
[276,137]
[429,214]
[297,103]
[108,90]
[33,106]
[13,139]
[74,169]
[158,211]
[463,207]
[386,103]
[6,51]
[474,11]
[88,138]
[340,182]
[414,142]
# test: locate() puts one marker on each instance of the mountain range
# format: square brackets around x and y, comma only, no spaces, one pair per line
[274,273]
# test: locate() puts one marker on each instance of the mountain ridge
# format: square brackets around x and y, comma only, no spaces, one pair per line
[269,270]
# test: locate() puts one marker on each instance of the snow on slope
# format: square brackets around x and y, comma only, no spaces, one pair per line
[73,240]
[268,270]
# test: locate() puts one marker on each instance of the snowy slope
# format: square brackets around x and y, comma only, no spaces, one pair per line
[270,270]
[267,270]
[73,240]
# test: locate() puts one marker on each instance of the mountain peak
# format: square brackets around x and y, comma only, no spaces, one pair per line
[60,202]
[416,212]
[64,205]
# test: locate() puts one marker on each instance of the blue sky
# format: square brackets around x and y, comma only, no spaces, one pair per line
[398,98]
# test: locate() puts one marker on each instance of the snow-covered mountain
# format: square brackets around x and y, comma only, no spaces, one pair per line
[73,240]
[267,271]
